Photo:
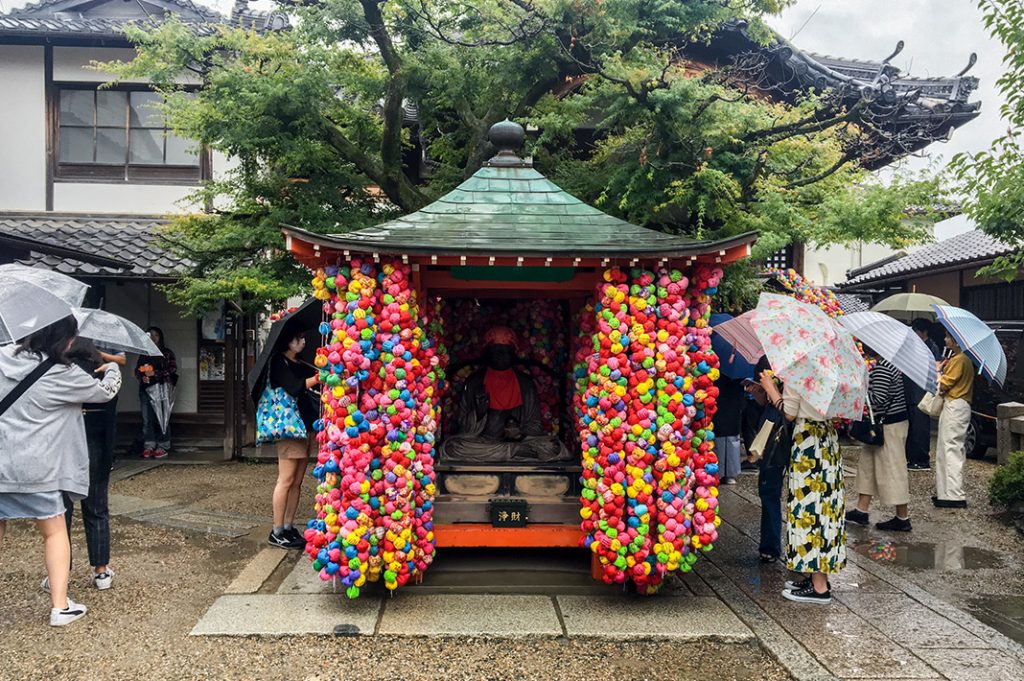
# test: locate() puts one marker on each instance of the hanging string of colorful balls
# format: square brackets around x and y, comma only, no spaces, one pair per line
[381,375]
[646,401]
[804,291]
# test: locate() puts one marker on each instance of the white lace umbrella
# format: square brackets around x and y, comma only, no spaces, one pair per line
[115,332]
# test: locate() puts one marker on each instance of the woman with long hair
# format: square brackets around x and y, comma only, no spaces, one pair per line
[42,437]
[100,435]
[297,379]
[153,370]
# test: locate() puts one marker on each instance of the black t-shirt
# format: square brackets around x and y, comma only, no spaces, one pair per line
[729,416]
[292,376]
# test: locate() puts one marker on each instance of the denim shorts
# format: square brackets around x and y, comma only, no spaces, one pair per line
[31,505]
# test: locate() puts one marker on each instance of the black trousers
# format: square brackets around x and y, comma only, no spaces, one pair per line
[100,433]
[919,436]
[770,481]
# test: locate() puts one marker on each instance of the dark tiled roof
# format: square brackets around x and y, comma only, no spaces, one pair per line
[52,18]
[850,303]
[969,248]
[133,240]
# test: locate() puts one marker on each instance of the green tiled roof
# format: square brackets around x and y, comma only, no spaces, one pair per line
[512,210]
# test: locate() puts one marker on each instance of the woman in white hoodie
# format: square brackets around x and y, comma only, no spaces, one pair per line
[43,452]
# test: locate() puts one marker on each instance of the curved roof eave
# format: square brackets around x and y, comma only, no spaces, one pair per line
[680,249]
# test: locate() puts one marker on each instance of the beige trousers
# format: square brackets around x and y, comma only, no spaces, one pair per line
[949,459]
[882,471]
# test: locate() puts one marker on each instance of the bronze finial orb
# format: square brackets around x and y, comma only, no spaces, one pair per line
[507,135]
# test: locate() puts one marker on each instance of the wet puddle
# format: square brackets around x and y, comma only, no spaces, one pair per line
[1004,613]
[926,556]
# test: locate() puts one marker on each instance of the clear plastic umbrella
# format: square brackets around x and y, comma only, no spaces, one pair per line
[68,289]
[115,332]
[162,397]
[25,308]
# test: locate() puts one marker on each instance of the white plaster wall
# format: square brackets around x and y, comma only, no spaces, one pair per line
[828,266]
[121,198]
[148,306]
[22,128]
[74,64]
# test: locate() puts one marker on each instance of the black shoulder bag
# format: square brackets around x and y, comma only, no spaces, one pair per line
[778,450]
[26,383]
[871,431]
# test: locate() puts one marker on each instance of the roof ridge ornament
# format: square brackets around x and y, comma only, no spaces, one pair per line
[508,136]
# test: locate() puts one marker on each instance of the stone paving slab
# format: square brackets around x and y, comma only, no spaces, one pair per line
[273,615]
[303,579]
[852,648]
[129,469]
[503,615]
[251,578]
[121,504]
[909,623]
[854,579]
[779,642]
[196,519]
[972,665]
[656,617]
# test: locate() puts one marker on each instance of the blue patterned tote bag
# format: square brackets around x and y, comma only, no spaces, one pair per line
[277,417]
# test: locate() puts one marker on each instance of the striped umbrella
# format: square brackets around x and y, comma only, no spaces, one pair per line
[741,336]
[730,362]
[975,338]
[895,342]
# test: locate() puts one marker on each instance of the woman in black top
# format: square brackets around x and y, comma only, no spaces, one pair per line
[298,380]
[100,435]
[882,470]
[151,370]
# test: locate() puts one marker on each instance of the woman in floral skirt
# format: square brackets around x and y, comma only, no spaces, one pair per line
[816,525]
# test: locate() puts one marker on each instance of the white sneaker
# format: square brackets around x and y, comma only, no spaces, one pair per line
[45,584]
[62,618]
[104,580]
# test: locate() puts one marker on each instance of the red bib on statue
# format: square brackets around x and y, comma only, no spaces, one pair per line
[503,389]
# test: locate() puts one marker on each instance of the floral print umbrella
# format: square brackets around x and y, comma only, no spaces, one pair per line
[813,355]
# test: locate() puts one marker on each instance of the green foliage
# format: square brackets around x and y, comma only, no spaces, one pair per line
[313,118]
[993,180]
[1007,485]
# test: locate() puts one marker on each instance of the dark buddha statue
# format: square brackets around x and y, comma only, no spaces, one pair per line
[499,412]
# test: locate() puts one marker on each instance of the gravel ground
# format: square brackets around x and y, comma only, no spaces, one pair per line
[166,579]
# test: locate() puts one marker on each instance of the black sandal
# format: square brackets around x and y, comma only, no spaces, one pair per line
[768,558]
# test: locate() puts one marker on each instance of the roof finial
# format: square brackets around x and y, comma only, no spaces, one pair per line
[970,65]
[508,136]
